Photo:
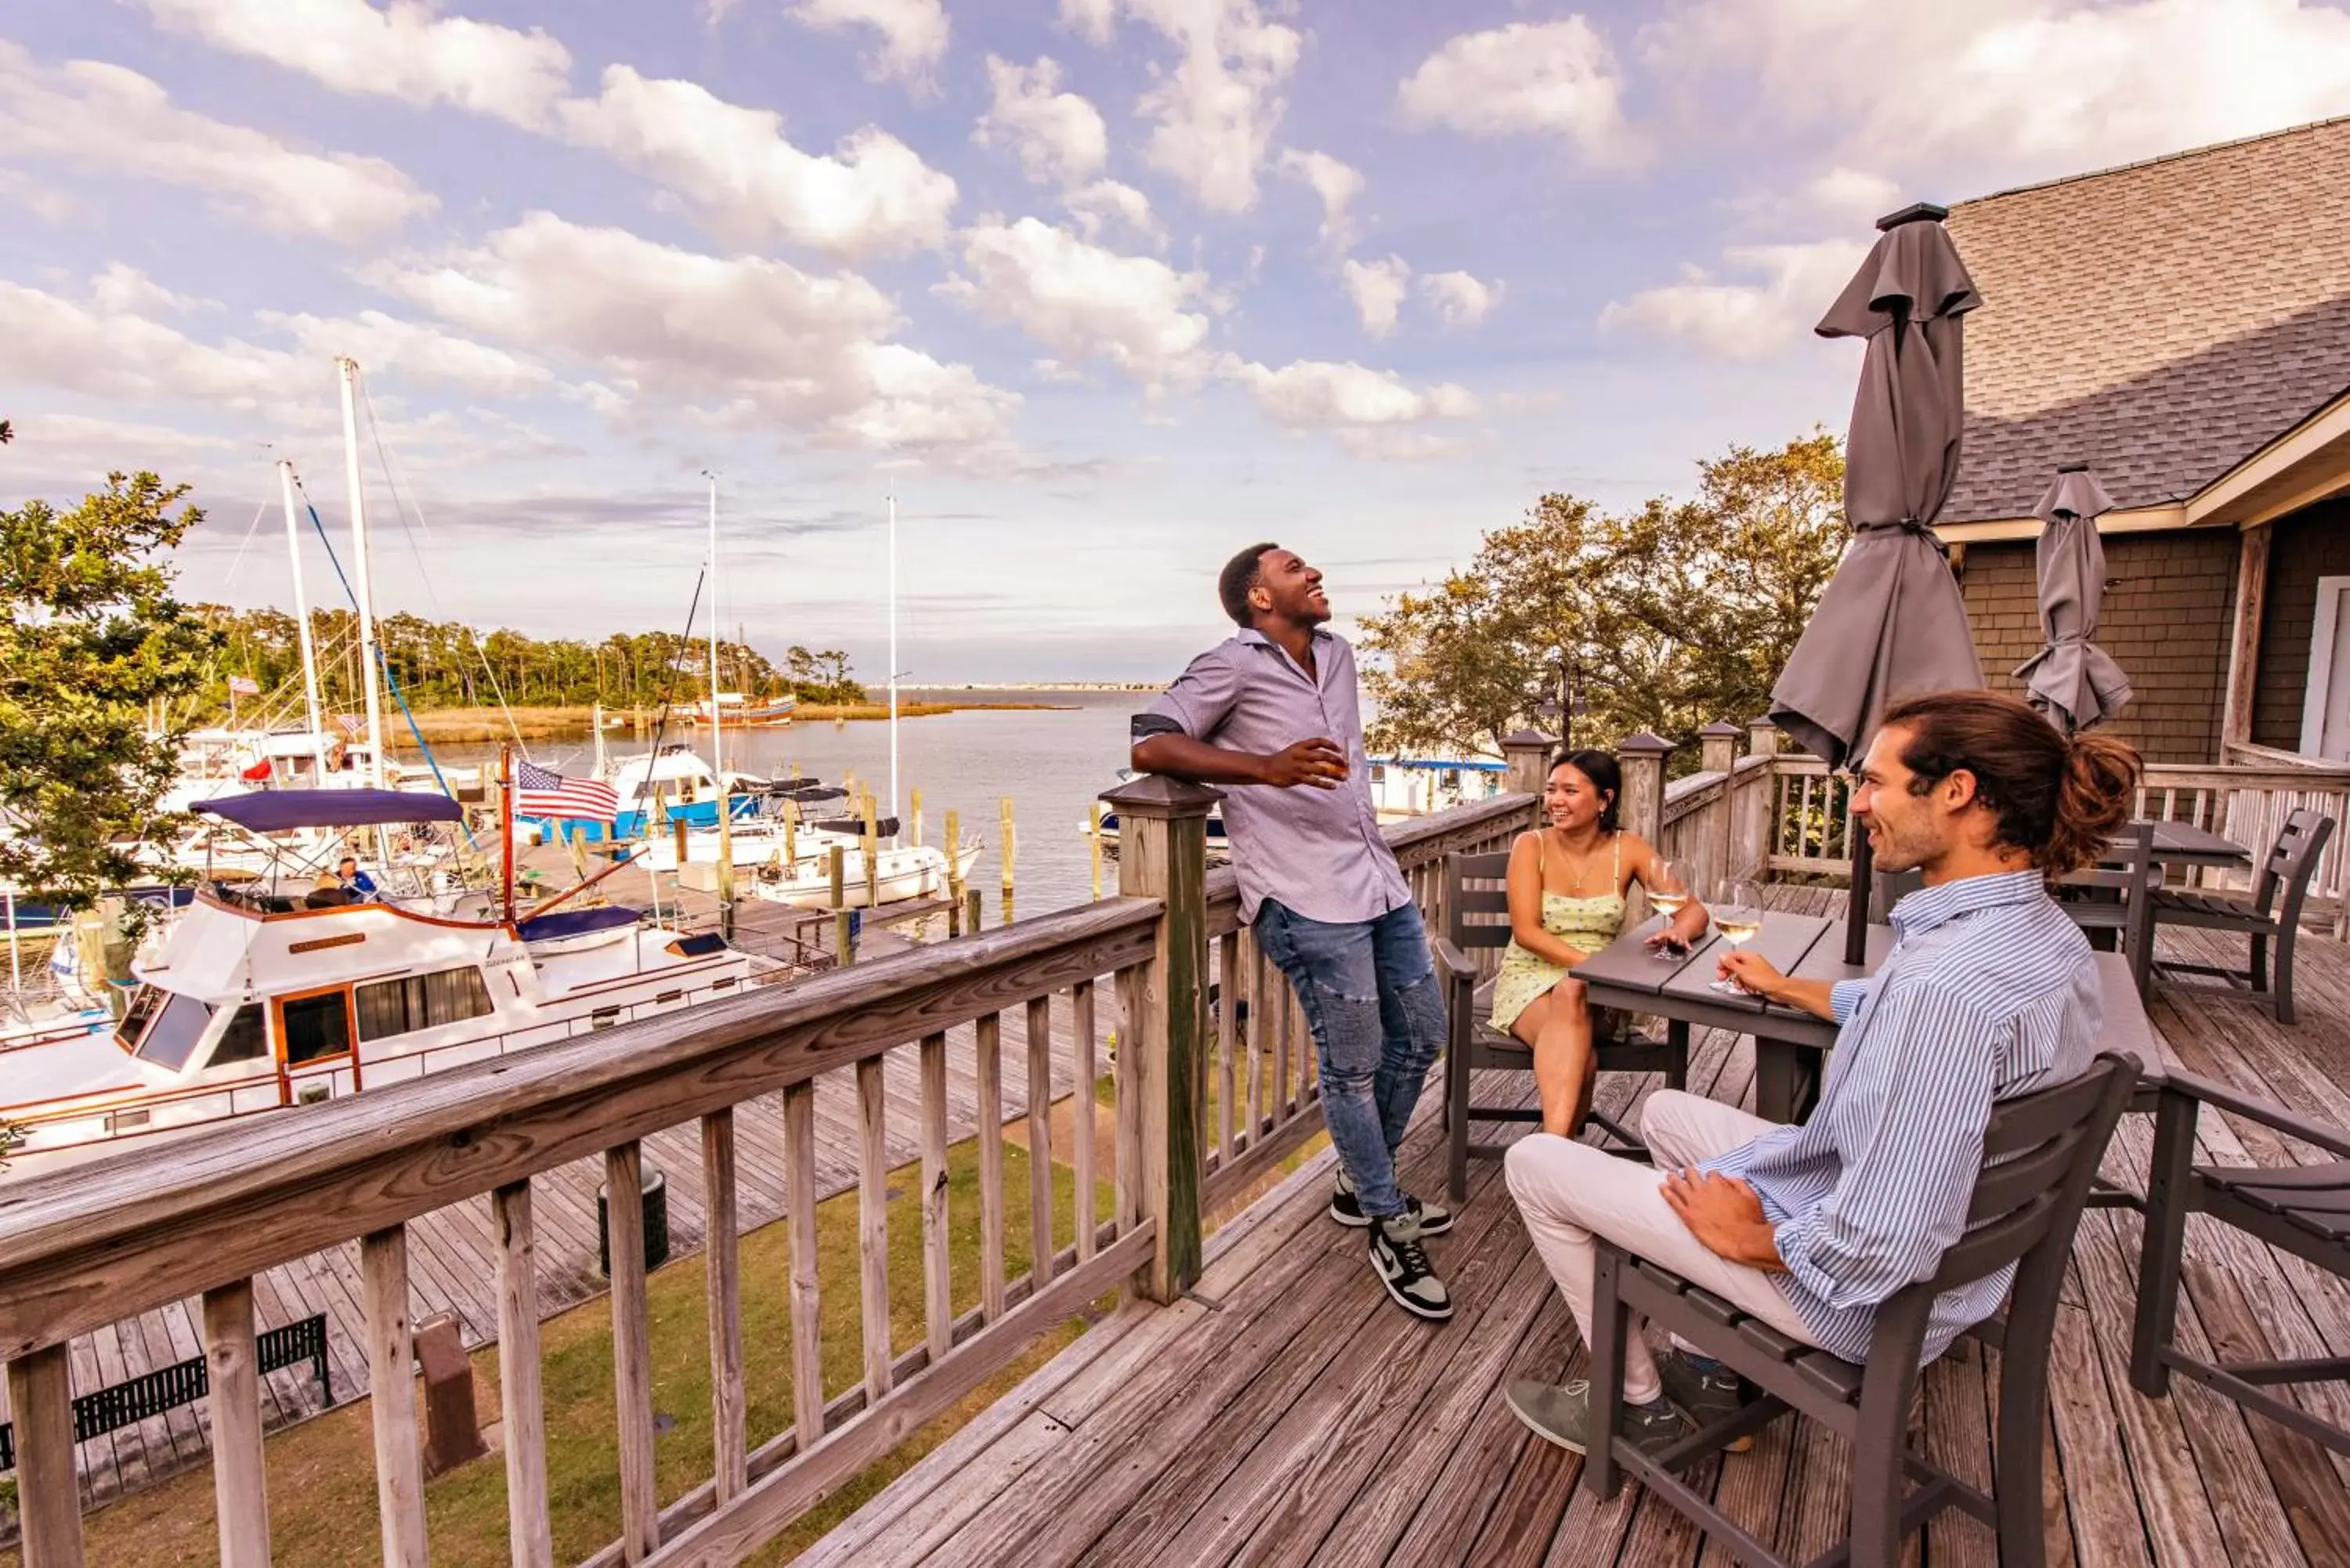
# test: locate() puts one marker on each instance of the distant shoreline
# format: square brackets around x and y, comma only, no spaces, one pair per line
[458,725]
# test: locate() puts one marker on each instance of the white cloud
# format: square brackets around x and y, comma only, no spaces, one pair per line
[913,33]
[122,289]
[2011,89]
[1745,320]
[1107,203]
[1317,392]
[1458,298]
[1389,443]
[65,345]
[1529,77]
[1091,19]
[1059,137]
[104,119]
[1216,109]
[1851,195]
[78,449]
[404,51]
[1082,301]
[1377,288]
[873,194]
[1335,182]
[412,350]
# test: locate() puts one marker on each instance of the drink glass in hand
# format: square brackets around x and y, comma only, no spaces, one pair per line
[1738,916]
[1668,897]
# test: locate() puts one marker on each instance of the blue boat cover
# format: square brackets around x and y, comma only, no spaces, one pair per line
[575,923]
[275,810]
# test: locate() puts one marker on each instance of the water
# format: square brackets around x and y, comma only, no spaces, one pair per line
[1051,764]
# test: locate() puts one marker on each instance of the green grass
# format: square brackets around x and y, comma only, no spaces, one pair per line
[321,1473]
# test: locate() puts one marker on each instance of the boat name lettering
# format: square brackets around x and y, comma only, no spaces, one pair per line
[314,943]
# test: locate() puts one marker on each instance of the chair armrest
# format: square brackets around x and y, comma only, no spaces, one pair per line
[2267,1113]
[1456,963]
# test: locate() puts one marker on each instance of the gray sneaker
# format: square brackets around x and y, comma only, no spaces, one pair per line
[1704,1396]
[1402,1265]
[1347,1209]
[1563,1416]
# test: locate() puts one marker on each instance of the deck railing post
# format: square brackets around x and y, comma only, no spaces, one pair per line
[1717,754]
[1642,809]
[1163,855]
[1526,754]
[1762,741]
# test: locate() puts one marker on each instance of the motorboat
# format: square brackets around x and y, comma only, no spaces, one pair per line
[901,873]
[735,710]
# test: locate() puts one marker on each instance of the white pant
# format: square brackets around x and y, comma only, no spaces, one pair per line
[1570,1193]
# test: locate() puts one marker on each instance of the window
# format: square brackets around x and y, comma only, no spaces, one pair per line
[316,1027]
[172,1025]
[243,1039]
[391,1007]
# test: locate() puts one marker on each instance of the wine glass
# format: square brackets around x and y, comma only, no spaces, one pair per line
[1738,916]
[1668,895]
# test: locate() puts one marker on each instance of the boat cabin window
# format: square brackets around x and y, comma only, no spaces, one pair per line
[402,1006]
[244,1039]
[164,1026]
[316,1027]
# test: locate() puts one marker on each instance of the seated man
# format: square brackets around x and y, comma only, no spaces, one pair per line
[1989,993]
[354,881]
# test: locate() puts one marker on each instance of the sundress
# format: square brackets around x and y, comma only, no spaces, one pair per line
[1587,923]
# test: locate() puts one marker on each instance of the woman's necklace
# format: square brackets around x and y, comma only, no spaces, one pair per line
[1582,864]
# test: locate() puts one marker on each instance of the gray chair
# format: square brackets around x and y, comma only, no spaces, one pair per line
[2118,896]
[1477,917]
[2272,914]
[2304,1209]
[2040,1153]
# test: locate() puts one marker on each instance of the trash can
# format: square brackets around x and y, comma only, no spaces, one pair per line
[655,1200]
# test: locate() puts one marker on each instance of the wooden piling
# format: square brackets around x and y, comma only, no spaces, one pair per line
[1011,851]
[916,798]
[842,950]
[1093,833]
[872,856]
[954,874]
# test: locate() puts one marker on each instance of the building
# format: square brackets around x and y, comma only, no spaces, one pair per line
[2183,326]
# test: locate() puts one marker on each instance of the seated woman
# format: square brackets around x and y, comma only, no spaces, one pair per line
[325,893]
[1567,884]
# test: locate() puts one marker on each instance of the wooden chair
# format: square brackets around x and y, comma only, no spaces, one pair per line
[2304,1209]
[1478,916]
[2288,868]
[2118,897]
[2040,1153]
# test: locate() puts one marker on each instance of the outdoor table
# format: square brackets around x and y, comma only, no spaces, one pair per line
[2184,844]
[1790,1044]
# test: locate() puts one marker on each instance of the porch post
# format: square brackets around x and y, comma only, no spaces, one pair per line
[2244,647]
[1642,808]
[1163,855]
[1525,753]
[1761,738]
[1717,754]
[1762,741]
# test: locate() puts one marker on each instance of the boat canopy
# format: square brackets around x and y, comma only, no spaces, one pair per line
[275,810]
[575,923]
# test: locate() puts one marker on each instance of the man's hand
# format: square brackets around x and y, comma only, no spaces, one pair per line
[1317,761]
[1751,972]
[1726,1217]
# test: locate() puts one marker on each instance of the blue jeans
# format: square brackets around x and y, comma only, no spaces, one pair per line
[1369,994]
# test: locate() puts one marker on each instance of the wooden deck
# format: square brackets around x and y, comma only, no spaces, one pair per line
[1285,1413]
[452,1253]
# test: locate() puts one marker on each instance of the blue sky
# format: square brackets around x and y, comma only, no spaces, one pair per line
[1104,289]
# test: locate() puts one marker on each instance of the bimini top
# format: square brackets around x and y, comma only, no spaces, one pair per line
[275,810]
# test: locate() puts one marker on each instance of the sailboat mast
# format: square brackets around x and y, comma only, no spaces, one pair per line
[302,621]
[363,587]
[893,648]
[717,729]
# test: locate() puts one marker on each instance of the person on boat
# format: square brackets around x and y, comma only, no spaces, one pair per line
[1567,884]
[327,893]
[1988,993]
[1273,715]
[354,881]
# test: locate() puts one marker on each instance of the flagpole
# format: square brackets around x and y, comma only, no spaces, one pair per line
[505,826]
[725,884]
[893,653]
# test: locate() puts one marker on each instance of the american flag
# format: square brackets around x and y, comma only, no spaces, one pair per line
[543,792]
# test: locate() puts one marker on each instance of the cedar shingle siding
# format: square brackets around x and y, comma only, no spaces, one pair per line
[2169,608]
[2310,544]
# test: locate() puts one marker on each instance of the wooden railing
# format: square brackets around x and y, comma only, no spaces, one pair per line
[203,1216]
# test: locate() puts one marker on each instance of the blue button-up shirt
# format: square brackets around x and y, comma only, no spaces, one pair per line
[1990,992]
[1316,852]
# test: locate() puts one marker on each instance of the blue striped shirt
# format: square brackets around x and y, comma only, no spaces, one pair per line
[1990,992]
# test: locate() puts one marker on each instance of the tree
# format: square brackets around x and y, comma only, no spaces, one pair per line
[90,637]
[1664,619]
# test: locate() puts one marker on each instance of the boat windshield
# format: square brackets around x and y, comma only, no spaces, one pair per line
[162,1026]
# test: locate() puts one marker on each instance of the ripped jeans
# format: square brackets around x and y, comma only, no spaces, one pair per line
[1369,992]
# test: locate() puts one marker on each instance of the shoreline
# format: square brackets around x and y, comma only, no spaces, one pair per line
[461,725]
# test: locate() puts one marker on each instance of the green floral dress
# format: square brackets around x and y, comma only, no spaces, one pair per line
[1587,923]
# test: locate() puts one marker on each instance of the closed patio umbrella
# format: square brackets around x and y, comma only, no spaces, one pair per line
[2071,679]
[1891,624]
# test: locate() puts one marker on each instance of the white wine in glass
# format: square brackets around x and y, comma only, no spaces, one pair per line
[1668,898]
[1738,916]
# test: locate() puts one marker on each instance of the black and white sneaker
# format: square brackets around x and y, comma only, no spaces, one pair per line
[1402,1265]
[1347,1209]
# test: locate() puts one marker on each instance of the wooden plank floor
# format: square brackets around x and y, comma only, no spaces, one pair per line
[1285,1413]
[451,1253]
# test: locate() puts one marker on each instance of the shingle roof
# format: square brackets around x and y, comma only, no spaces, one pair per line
[2161,322]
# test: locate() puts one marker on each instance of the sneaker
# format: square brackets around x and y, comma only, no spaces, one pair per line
[1347,1209]
[1704,1394]
[1402,1265]
[1563,1416]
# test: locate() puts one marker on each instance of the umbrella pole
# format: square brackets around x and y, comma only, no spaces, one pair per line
[1855,908]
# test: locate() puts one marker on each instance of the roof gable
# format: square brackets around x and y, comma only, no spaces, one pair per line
[2161,322]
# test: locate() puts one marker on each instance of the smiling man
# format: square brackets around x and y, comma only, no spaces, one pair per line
[1989,992]
[1273,716]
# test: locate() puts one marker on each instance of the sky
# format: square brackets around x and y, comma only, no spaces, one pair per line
[1102,289]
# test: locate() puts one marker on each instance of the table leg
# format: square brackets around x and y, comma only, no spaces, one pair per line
[1775,1080]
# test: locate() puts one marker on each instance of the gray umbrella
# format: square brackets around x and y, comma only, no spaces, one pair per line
[2071,680]
[1891,624]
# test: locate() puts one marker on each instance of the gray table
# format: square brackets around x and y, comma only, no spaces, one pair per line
[2184,844]
[1789,1043]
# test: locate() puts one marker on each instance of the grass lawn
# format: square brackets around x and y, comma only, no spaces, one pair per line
[322,1477]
